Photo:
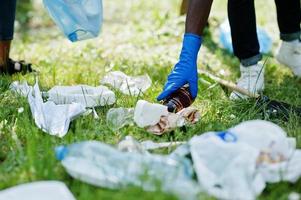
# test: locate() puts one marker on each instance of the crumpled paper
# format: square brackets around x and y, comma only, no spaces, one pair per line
[127,84]
[86,95]
[173,120]
[157,120]
[237,164]
[51,118]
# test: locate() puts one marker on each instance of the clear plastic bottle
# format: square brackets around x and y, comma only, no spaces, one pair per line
[102,165]
[78,19]
[179,100]
[119,117]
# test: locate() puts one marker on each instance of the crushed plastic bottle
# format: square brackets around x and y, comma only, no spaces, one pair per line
[86,95]
[102,165]
[129,85]
[78,19]
[119,117]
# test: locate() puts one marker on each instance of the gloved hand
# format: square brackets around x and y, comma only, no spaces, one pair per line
[185,71]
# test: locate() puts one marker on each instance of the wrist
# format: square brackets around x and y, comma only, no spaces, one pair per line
[190,48]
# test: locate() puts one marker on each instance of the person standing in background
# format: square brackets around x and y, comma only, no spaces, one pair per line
[7,18]
[245,44]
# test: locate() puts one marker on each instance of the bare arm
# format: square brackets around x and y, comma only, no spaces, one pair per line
[185,71]
[197,16]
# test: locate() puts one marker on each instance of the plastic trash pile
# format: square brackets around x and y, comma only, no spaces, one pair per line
[233,164]
[65,103]
[78,20]
[42,190]
[153,117]
[265,41]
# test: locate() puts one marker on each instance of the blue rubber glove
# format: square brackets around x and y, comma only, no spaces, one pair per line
[185,71]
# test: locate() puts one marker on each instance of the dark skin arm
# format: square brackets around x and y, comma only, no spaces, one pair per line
[4,53]
[197,16]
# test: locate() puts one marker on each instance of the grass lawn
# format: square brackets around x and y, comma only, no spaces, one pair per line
[138,36]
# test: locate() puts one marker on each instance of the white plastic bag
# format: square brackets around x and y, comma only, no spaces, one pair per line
[51,118]
[77,19]
[42,190]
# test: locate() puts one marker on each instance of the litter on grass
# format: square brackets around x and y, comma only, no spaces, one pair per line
[51,118]
[130,144]
[153,117]
[127,84]
[237,164]
[156,119]
[173,120]
[119,117]
[150,145]
[225,38]
[102,165]
[86,95]
[42,190]
[294,196]
[233,164]
[148,114]
[22,89]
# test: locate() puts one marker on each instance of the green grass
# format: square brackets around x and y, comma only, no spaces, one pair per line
[138,37]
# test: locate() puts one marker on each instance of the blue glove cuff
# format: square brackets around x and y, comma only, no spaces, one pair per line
[190,49]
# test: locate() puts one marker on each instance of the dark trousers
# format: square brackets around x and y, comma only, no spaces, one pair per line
[243,26]
[7,18]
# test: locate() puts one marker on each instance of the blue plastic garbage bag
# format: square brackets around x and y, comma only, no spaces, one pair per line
[225,39]
[78,19]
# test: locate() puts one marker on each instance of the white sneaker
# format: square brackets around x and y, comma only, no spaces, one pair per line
[289,54]
[251,79]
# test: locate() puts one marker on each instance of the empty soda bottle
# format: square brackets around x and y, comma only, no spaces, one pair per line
[179,100]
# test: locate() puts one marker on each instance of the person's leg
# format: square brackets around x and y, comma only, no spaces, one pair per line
[242,19]
[7,18]
[288,16]
[245,43]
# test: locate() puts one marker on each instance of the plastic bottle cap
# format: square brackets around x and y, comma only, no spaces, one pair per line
[73,37]
[227,136]
[61,152]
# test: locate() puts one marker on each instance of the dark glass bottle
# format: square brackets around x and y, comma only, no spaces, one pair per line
[179,100]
